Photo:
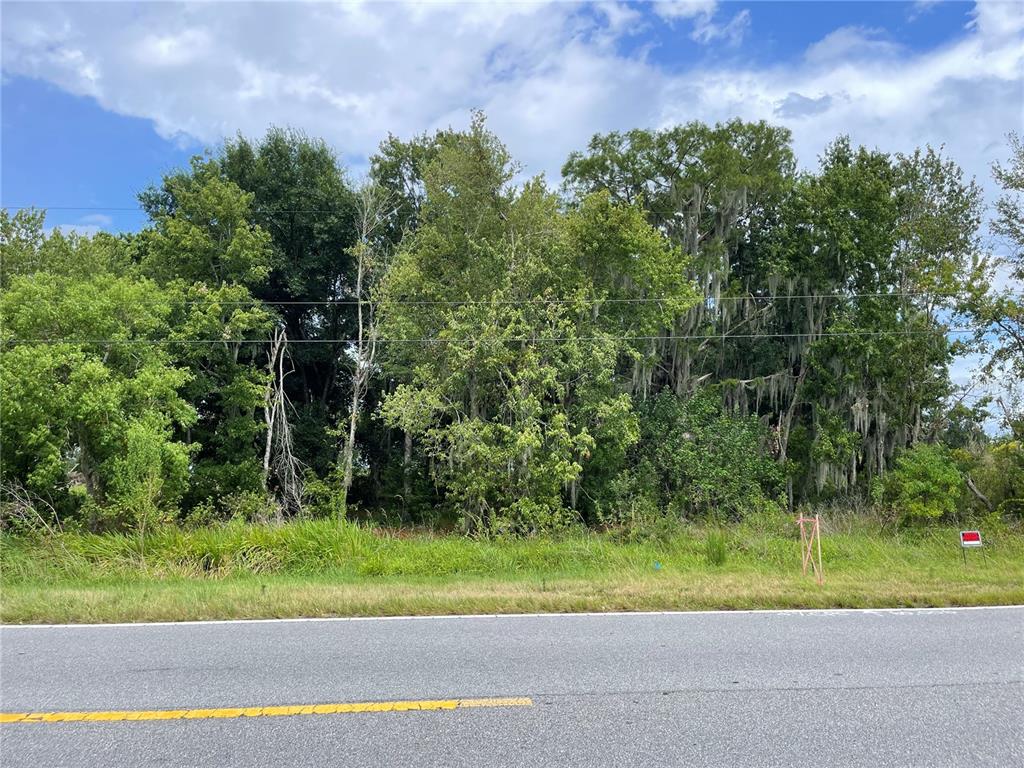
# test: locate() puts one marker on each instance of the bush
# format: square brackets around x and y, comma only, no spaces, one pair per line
[999,474]
[924,485]
[692,459]
[250,507]
[526,517]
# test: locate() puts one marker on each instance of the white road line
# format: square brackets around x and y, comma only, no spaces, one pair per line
[470,616]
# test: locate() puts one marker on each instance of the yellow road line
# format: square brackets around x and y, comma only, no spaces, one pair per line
[230,712]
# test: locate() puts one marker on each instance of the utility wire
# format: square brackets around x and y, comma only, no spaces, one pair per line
[542,339]
[636,300]
[141,212]
[517,302]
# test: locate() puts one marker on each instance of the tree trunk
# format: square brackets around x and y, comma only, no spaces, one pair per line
[977,493]
[786,421]
[407,470]
[371,215]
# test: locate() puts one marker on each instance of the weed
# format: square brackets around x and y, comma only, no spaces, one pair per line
[715,547]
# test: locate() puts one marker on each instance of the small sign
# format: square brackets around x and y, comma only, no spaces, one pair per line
[970,539]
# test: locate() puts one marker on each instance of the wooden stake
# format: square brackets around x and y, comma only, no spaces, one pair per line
[810,546]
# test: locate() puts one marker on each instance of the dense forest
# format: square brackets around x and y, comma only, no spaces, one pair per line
[688,326]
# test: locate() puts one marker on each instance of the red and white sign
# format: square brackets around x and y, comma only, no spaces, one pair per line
[970,538]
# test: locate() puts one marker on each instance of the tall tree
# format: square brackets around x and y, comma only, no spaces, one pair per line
[302,199]
[999,310]
[92,407]
[821,291]
[502,324]
[203,245]
[375,206]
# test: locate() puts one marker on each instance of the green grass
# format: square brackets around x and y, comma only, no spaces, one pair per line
[322,568]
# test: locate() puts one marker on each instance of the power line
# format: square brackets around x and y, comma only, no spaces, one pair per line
[542,339]
[140,210]
[635,300]
[70,208]
[539,301]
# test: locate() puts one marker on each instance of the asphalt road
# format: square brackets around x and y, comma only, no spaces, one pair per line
[830,688]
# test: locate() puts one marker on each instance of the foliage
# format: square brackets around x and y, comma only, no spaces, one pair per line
[91,406]
[693,459]
[510,391]
[999,311]
[692,327]
[204,248]
[202,232]
[820,290]
[963,425]
[999,473]
[925,484]
[302,198]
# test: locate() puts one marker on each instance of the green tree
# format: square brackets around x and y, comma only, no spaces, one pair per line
[692,459]
[91,398]
[303,200]
[208,254]
[823,293]
[925,484]
[999,311]
[510,335]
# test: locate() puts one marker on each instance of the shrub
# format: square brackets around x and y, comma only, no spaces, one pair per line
[526,517]
[692,459]
[250,507]
[999,474]
[925,484]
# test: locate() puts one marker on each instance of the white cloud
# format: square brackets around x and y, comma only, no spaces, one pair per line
[173,50]
[850,43]
[702,14]
[796,105]
[920,8]
[85,230]
[998,18]
[705,30]
[86,226]
[548,74]
[684,9]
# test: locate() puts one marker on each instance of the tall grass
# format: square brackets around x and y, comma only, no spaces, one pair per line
[350,550]
[320,546]
[318,568]
[715,547]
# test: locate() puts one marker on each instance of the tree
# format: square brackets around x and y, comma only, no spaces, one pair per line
[692,459]
[92,402]
[821,292]
[303,200]
[504,332]
[374,207]
[398,168]
[999,312]
[925,484]
[203,248]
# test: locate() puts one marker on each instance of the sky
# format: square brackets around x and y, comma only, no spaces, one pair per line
[97,101]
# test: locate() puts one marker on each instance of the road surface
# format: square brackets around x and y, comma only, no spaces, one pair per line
[831,688]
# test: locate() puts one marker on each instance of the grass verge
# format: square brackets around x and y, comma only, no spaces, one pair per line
[321,568]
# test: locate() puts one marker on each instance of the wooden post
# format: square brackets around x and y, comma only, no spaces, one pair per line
[810,545]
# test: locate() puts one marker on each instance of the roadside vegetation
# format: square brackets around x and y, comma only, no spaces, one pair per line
[452,388]
[326,568]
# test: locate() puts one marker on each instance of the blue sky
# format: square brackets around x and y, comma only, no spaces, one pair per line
[99,100]
[61,150]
